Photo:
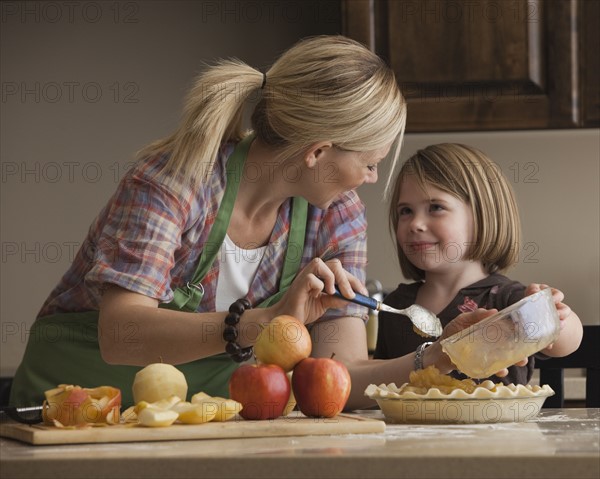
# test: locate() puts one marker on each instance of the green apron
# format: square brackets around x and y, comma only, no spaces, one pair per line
[63,348]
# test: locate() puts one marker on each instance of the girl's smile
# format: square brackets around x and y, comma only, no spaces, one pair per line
[420,245]
[435,228]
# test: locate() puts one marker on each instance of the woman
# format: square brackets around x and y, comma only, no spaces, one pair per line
[210,215]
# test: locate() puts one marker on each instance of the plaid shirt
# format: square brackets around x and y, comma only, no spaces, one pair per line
[148,239]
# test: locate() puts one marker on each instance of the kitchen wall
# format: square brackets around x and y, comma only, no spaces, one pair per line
[86,84]
[556,177]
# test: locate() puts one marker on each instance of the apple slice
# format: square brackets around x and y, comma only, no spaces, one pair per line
[226,408]
[167,403]
[129,415]
[291,404]
[151,416]
[198,397]
[198,413]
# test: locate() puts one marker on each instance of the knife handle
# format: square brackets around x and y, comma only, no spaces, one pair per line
[361,299]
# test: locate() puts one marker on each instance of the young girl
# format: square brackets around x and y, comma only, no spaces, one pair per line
[457,227]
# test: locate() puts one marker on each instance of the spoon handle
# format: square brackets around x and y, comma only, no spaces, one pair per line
[361,299]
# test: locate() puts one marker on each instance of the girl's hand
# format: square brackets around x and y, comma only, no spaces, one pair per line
[563,310]
[571,329]
[306,301]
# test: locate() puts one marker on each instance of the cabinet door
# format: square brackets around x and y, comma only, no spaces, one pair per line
[589,46]
[476,65]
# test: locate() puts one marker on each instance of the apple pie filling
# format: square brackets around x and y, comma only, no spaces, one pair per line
[429,383]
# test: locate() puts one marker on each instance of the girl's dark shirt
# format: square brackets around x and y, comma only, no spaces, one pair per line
[395,336]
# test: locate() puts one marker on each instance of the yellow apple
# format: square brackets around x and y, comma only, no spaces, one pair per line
[159,381]
[285,341]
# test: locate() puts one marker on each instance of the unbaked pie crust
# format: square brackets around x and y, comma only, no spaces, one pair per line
[431,397]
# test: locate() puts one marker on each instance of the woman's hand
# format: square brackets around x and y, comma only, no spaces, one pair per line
[306,301]
[440,359]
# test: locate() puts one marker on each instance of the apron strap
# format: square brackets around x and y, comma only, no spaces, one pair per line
[295,247]
[188,297]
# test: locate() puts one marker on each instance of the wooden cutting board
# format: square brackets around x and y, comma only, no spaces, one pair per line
[293,425]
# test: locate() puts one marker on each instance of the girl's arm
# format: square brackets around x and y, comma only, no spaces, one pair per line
[346,337]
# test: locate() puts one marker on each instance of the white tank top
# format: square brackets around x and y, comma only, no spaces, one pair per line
[236,272]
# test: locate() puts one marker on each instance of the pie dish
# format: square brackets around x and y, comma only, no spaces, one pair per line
[457,402]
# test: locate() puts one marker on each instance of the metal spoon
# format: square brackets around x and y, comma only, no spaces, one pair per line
[423,320]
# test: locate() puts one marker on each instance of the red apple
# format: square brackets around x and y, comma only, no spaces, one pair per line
[262,389]
[70,405]
[285,341]
[321,386]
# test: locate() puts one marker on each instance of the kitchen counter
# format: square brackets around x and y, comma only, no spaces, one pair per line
[556,444]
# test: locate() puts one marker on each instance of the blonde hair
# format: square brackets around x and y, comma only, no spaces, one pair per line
[323,88]
[469,175]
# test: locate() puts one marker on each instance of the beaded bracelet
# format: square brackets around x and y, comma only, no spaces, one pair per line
[230,333]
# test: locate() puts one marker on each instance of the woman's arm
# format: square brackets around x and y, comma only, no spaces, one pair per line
[133,330]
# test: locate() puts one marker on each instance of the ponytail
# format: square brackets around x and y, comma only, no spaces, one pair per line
[323,88]
[213,114]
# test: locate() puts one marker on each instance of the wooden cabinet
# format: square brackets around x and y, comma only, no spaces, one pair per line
[589,46]
[487,64]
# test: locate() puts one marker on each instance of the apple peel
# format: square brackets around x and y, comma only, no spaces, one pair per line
[73,406]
